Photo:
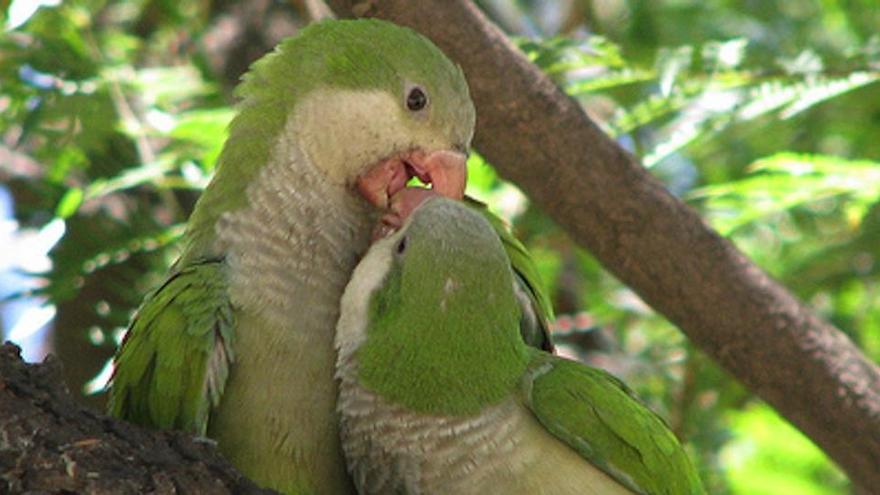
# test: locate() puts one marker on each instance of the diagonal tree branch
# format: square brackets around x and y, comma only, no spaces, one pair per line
[540,139]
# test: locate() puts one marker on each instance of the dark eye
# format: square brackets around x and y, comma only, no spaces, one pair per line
[401,246]
[416,99]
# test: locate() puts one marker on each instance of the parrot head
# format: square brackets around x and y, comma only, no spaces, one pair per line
[359,105]
[368,103]
[428,304]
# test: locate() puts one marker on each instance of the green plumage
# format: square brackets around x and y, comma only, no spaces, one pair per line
[538,313]
[442,341]
[362,55]
[237,343]
[183,333]
[599,416]
[396,362]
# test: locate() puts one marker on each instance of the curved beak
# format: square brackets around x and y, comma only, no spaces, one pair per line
[444,170]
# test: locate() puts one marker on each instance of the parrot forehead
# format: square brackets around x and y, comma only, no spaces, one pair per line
[448,230]
[448,224]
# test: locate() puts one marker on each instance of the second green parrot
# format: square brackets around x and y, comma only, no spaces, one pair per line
[440,395]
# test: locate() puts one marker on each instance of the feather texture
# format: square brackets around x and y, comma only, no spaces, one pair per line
[242,348]
[191,311]
[440,394]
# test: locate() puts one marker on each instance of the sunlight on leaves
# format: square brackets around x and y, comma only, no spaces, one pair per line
[769,457]
[785,181]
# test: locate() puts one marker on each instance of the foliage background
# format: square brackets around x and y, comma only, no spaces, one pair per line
[762,115]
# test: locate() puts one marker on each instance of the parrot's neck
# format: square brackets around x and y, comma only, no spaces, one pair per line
[502,449]
[290,251]
[379,461]
[295,243]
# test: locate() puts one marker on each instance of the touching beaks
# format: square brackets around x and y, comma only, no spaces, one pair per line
[403,203]
[444,170]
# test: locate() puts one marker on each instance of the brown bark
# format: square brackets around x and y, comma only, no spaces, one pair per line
[50,444]
[539,138]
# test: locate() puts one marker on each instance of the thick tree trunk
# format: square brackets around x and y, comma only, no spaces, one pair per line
[51,444]
[539,138]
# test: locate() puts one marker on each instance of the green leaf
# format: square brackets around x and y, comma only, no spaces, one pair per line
[205,131]
[671,63]
[815,93]
[786,181]
[69,203]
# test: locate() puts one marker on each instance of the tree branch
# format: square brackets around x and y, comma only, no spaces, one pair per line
[50,444]
[541,139]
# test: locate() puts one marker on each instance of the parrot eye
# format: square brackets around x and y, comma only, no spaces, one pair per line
[416,99]
[401,246]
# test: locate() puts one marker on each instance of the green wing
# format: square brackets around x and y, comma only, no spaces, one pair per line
[598,416]
[534,300]
[174,361]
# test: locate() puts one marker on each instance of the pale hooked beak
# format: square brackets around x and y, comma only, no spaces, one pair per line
[444,170]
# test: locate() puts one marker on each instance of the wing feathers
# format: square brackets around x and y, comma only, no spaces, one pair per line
[175,359]
[598,416]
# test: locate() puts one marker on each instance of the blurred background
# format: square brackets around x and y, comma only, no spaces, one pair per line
[762,115]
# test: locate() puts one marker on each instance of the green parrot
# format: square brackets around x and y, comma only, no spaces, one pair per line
[440,395]
[237,343]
